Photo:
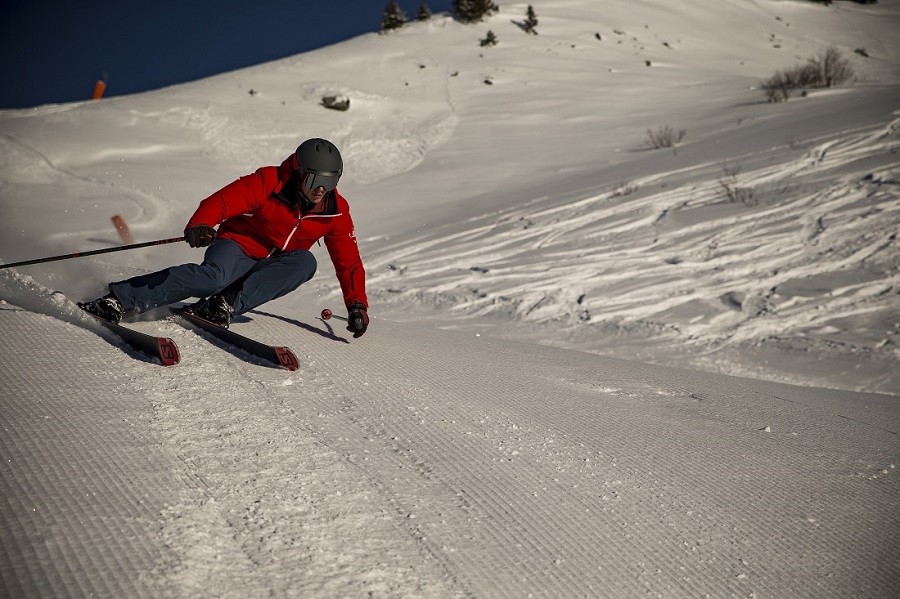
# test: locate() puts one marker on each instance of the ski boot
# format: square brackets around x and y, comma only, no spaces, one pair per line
[215,309]
[106,308]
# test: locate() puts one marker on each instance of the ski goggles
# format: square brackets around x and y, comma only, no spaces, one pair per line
[315,179]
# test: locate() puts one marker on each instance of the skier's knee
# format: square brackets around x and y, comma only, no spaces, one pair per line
[305,262]
[216,278]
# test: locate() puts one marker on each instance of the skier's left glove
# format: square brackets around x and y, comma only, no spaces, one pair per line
[357,319]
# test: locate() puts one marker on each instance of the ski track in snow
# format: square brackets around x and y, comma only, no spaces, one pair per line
[815,247]
[147,209]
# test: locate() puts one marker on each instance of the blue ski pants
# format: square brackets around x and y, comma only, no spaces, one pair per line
[246,282]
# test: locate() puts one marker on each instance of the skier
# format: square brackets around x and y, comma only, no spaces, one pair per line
[267,221]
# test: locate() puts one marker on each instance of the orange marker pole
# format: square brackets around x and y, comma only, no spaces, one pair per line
[122,228]
[99,88]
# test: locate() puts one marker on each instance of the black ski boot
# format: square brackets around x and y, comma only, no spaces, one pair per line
[215,309]
[107,308]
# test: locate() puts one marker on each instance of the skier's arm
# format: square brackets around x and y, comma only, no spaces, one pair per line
[239,197]
[344,252]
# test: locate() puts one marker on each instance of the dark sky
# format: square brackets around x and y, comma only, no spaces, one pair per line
[54,51]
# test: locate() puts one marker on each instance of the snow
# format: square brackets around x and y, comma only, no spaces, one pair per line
[589,372]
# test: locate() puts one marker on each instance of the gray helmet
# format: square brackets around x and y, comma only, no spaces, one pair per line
[319,163]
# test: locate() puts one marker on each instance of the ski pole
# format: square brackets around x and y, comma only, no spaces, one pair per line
[93,252]
[328,315]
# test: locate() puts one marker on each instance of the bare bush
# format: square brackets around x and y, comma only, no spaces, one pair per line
[731,188]
[778,87]
[831,68]
[665,137]
[826,70]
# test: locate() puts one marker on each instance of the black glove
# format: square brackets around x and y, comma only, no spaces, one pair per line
[357,319]
[199,236]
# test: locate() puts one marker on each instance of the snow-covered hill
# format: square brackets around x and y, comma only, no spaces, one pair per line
[506,201]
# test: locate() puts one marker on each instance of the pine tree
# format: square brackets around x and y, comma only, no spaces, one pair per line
[530,21]
[393,17]
[424,12]
[490,39]
[471,11]
[463,10]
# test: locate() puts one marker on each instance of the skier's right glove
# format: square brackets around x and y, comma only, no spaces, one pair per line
[199,236]
[357,319]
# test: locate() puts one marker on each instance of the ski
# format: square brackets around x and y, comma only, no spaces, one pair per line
[161,348]
[277,355]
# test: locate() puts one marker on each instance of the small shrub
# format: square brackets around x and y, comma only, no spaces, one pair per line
[778,87]
[531,21]
[490,39]
[829,69]
[424,12]
[807,75]
[733,192]
[664,137]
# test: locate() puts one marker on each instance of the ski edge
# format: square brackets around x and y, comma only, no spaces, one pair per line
[277,355]
[162,348]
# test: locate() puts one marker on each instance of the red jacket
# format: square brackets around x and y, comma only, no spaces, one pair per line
[253,212]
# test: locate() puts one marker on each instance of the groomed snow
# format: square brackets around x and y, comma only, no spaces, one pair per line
[589,372]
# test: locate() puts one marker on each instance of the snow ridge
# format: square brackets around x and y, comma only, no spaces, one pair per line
[811,246]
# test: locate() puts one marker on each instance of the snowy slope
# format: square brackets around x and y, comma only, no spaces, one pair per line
[560,132]
[506,202]
[486,468]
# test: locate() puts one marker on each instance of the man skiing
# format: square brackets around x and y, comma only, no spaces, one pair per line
[267,222]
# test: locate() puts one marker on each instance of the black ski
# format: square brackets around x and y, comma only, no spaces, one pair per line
[161,348]
[277,355]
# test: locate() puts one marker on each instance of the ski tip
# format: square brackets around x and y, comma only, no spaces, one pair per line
[168,352]
[286,358]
